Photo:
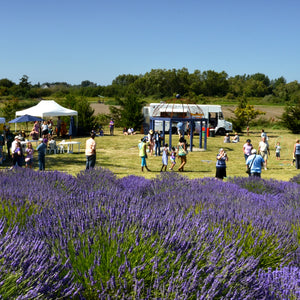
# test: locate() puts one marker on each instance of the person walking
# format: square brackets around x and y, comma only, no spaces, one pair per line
[41,149]
[297,154]
[264,150]
[142,146]
[221,164]
[173,158]
[255,162]
[247,147]
[90,151]
[181,149]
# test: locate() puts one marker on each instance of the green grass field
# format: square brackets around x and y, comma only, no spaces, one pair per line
[119,154]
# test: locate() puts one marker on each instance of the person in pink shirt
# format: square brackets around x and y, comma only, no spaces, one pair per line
[247,149]
[90,151]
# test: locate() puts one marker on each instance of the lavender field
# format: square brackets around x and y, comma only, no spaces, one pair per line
[95,236]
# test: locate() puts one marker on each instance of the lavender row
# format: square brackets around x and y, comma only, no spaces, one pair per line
[133,238]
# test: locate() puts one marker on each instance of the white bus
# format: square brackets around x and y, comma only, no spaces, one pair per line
[213,113]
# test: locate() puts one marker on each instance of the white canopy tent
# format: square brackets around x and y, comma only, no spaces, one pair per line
[48,108]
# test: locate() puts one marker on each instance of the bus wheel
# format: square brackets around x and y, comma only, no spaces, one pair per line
[221,131]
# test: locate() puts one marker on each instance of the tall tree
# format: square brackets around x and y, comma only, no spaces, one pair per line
[244,114]
[131,110]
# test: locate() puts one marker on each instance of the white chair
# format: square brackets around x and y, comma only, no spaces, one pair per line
[52,147]
[61,148]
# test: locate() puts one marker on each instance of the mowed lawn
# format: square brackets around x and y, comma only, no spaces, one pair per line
[119,154]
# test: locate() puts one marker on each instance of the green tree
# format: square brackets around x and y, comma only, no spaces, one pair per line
[244,114]
[291,117]
[131,110]
[86,119]
[6,83]
[9,109]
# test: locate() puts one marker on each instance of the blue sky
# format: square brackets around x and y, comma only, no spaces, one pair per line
[72,41]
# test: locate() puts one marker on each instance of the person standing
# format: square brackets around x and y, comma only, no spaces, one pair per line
[29,157]
[221,164]
[297,154]
[90,151]
[157,143]
[142,146]
[255,162]
[180,129]
[2,143]
[165,158]
[277,151]
[264,150]
[14,145]
[247,147]
[41,149]
[263,134]
[151,141]
[58,126]
[181,148]
[45,129]
[111,126]
[9,140]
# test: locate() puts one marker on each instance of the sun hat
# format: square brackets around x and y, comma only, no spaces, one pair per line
[253,151]
[17,137]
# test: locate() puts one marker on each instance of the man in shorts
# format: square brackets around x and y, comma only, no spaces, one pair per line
[264,150]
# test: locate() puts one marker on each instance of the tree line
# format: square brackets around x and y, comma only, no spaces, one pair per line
[198,87]
[162,83]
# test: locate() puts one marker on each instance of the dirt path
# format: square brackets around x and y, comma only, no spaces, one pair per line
[271,111]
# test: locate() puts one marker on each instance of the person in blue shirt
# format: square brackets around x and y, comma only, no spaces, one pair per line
[255,162]
[41,149]
[297,153]
[180,129]
[221,164]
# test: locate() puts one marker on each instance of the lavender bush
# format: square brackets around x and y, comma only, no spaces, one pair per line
[97,236]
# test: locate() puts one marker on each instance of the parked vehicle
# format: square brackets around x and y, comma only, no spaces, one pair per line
[213,113]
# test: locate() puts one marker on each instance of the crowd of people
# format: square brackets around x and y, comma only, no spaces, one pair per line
[19,148]
[255,159]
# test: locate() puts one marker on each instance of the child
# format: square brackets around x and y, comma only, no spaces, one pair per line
[172,158]
[277,151]
[165,158]
[29,158]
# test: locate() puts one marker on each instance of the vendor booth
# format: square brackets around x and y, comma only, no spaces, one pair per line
[48,108]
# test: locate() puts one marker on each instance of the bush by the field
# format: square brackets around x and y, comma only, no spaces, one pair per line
[97,236]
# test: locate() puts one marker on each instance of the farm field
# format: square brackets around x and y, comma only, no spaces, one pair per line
[96,236]
[115,232]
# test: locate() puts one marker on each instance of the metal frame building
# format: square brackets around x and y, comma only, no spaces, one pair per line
[171,120]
